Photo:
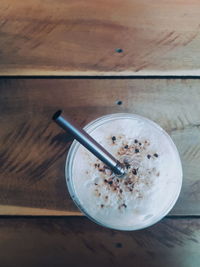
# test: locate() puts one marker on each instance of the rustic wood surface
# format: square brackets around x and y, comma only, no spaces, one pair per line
[136,37]
[33,149]
[79,242]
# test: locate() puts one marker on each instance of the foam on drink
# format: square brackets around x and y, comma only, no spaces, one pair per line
[152,180]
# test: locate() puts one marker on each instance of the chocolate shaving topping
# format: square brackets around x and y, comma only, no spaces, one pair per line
[113,139]
[134,171]
[130,183]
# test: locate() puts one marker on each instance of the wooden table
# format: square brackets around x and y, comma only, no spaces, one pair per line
[93,58]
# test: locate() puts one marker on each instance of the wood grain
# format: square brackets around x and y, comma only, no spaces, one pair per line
[130,37]
[33,149]
[76,241]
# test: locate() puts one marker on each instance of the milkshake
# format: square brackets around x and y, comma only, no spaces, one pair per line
[153,178]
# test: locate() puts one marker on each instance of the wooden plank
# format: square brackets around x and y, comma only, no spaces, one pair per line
[33,149]
[85,37]
[76,241]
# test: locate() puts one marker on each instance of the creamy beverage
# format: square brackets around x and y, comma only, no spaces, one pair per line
[153,177]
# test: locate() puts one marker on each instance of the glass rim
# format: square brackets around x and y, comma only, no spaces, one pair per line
[90,127]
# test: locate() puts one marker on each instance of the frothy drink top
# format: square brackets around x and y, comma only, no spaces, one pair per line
[153,174]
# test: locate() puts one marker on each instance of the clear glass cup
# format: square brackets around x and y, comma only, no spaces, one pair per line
[170,198]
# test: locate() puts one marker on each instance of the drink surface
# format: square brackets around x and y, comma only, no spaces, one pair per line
[153,173]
